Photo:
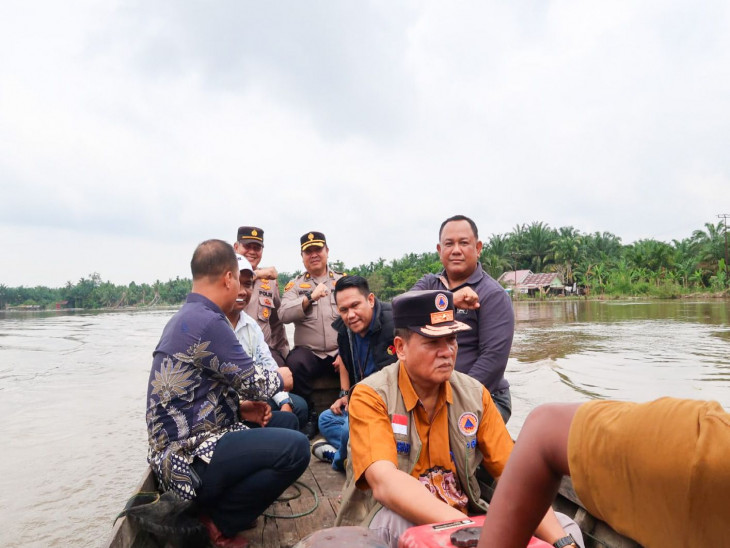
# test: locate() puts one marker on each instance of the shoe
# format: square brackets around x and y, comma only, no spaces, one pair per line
[310,429]
[323,451]
[218,540]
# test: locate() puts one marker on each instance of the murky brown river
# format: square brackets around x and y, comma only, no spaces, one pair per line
[72,394]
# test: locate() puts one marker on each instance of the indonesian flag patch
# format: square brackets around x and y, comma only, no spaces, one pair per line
[400,424]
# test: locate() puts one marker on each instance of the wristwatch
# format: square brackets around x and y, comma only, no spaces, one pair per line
[343,393]
[308,295]
[565,541]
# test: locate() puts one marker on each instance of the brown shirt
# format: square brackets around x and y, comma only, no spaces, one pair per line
[313,326]
[262,307]
[657,471]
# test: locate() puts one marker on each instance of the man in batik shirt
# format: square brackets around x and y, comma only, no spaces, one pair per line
[199,447]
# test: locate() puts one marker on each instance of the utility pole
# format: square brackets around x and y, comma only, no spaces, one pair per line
[724,217]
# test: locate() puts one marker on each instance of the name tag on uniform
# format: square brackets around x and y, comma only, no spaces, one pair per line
[400,424]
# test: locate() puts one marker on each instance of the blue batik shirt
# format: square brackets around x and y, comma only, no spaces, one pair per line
[199,374]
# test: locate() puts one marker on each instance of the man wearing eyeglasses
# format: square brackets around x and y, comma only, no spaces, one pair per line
[264,301]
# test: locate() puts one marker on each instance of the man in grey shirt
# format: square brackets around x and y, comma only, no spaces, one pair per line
[481,303]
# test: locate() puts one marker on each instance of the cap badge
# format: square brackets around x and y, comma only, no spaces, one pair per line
[310,236]
[468,424]
[254,232]
[441,317]
[442,303]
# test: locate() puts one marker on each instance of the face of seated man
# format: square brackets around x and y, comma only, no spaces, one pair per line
[429,362]
[355,309]
[245,280]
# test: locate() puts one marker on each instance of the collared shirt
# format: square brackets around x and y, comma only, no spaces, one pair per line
[251,337]
[484,350]
[371,435]
[312,327]
[199,373]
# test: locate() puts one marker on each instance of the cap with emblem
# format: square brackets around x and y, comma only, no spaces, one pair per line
[250,235]
[429,313]
[243,263]
[313,239]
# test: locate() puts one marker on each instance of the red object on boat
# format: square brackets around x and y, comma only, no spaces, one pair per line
[439,535]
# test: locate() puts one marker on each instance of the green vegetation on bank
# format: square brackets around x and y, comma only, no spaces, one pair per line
[597,262]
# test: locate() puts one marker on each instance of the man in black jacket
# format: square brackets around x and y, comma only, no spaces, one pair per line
[365,341]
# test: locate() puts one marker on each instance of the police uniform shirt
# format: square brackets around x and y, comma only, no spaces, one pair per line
[262,307]
[313,326]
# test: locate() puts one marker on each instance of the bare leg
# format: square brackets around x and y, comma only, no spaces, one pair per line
[531,478]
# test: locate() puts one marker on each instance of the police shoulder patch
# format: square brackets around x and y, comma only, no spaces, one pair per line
[289,285]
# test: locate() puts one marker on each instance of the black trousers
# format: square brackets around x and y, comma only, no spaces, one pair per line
[249,470]
[306,368]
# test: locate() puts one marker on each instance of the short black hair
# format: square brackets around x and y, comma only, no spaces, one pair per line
[347,282]
[460,218]
[213,258]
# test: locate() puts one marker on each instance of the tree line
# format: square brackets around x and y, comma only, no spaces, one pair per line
[92,293]
[597,262]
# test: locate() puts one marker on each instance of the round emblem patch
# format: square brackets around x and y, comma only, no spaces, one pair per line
[442,303]
[310,236]
[468,424]
[265,313]
[254,232]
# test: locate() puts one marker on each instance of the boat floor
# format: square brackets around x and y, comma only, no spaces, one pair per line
[282,532]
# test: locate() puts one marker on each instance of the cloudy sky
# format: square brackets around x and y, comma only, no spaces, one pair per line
[131,131]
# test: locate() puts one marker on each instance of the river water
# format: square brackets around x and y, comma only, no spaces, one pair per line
[73,386]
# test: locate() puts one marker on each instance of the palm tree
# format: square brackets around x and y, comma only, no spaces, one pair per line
[710,245]
[566,250]
[496,256]
[653,255]
[604,247]
[537,241]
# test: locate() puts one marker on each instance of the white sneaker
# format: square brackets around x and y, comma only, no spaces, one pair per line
[323,451]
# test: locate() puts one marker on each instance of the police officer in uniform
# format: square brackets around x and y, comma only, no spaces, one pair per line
[265,299]
[309,303]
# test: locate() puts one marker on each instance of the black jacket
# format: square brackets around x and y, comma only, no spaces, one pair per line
[381,341]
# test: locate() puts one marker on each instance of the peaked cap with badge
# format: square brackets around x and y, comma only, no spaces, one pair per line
[427,312]
[250,235]
[313,238]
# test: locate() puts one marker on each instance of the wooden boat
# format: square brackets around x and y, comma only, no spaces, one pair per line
[280,532]
[275,532]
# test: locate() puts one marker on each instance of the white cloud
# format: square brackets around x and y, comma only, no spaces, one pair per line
[144,128]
